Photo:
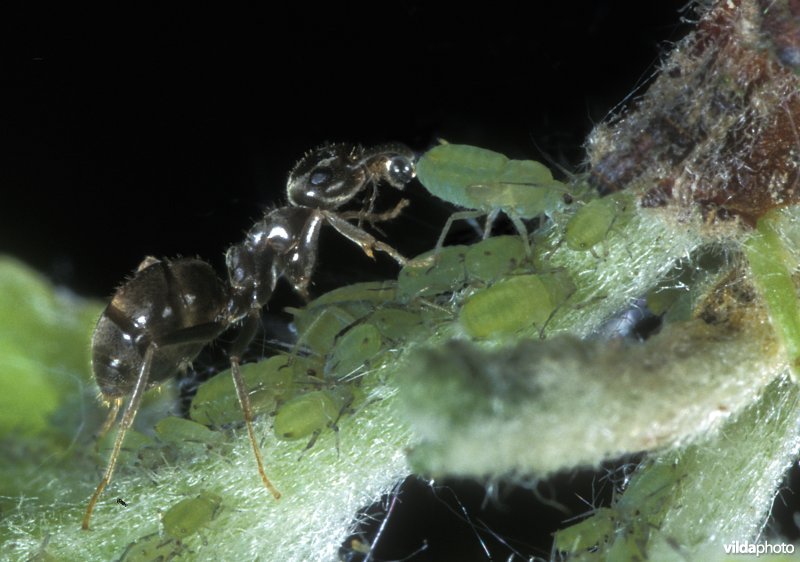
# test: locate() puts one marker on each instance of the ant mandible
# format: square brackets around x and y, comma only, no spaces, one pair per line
[160,319]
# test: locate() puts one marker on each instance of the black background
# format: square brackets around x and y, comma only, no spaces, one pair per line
[166,131]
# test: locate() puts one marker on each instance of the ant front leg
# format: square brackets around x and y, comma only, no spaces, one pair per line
[367,210]
[373,218]
[364,239]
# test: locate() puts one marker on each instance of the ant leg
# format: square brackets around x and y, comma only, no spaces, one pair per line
[112,417]
[372,218]
[242,341]
[244,401]
[368,208]
[201,333]
[361,237]
[127,420]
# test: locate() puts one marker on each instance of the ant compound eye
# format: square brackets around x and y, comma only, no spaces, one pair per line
[238,269]
[400,171]
[320,176]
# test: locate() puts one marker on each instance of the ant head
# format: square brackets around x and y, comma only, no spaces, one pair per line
[393,163]
[330,176]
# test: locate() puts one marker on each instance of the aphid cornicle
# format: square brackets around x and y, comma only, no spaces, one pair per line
[162,317]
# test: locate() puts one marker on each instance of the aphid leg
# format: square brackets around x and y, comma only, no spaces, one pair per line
[521,229]
[361,237]
[460,215]
[110,420]
[242,341]
[127,420]
[335,423]
[312,442]
[554,312]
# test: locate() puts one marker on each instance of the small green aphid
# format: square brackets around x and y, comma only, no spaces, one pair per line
[594,532]
[318,327]
[133,446]
[376,292]
[268,382]
[649,492]
[488,183]
[190,515]
[308,414]
[152,548]
[493,258]
[397,324]
[180,431]
[592,222]
[515,304]
[433,273]
[353,351]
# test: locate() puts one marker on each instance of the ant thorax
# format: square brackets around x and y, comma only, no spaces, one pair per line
[161,318]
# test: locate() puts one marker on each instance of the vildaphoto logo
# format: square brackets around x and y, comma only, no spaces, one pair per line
[758,548]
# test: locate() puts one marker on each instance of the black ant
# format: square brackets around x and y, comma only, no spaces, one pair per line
[160,319]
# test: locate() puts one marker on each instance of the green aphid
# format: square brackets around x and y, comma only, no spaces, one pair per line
[268,382]
[133,446]
[591,223]
[433,273]
[649,492]
[152,548]
[641,508]
[376,292]
[515,304]
[593,532]
[188,516]
[308,414]
[353,352]
[321,321]
[630,544]
[319,327]
[180,431]
[494,258]
[396,324]
[489,183]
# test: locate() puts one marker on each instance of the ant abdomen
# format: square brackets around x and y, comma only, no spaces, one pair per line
[162,299]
